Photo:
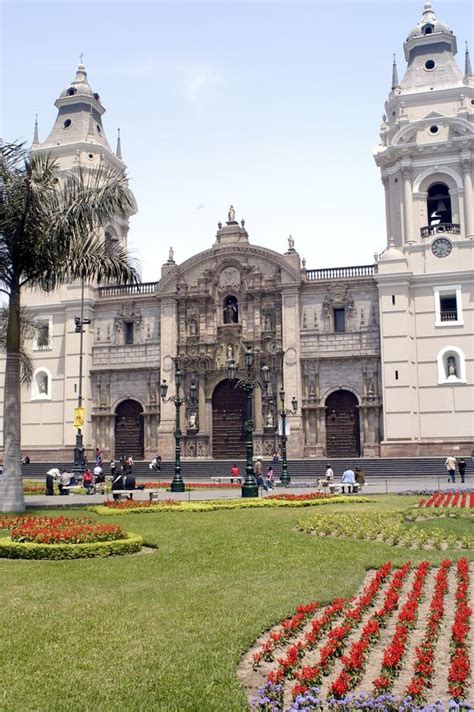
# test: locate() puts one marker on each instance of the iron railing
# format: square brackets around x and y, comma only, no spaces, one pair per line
[446,228]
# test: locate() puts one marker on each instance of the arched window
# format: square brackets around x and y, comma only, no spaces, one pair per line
[231,310]
[451,365]
[71,91]
[428,29]
[439,205]
[41,384]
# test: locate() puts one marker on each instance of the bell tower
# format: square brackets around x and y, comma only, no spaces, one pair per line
[425,275]
[78,139]
[426,139]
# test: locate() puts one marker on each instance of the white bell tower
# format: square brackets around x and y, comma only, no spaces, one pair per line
[425,275]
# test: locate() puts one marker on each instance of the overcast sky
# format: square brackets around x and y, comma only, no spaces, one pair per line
[274,107]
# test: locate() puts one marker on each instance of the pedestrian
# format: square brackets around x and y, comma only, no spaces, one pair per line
[64,482]
[234,472]
[257,471]
[155,464]
[117,484]
[98,456]
[51,475]
[450,464]
[113,467]
[348,480]
[360,477]
[329,474]
[87,480]
[270,477]
[462,468]
[129,483]
[276,457]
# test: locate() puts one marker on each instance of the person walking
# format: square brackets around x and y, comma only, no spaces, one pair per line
[270,477]
[234,472]
[87,480]
[462,468]
[113,467]
[360,477]
[51,476]
[450,464]
[257,471]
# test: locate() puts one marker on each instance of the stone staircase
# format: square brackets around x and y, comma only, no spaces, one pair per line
[299,470]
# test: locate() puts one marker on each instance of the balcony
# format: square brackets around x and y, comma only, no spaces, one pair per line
[119,290]
[448,315]
[442,228]
[340,272]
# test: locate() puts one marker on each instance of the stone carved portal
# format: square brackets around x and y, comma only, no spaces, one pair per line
[342,425]
[129,431]
[229,407]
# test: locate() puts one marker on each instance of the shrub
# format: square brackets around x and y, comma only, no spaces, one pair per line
[30,550]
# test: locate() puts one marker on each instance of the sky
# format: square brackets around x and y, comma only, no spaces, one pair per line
[272,106]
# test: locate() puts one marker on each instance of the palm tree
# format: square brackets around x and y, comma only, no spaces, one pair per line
[49,236]
[29,328]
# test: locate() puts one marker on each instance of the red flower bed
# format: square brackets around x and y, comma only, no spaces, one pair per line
[394,652]
[299,497]
[139,504]
[63,530]
[459,670]
[447,500]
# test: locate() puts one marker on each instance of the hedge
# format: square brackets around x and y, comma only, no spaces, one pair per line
[28,550]
[210,506]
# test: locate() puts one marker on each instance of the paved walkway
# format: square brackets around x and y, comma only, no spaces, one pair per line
[373,486]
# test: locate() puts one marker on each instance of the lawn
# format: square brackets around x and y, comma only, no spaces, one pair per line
[165,630]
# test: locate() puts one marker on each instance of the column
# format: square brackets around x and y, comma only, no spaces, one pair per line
[203,427]
[292,366]
[169,332]
[407,203]
[257,409]
[388,217]
[468,197]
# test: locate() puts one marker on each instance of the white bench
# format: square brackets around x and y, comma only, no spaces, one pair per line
[227,479]
[153,495]
[123,494]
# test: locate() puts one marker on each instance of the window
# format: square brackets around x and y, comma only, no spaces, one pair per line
[430,64]
[42,339]
[451,366]
[448,306]
[439,205]
[339,320]
[129,332]
[41,385]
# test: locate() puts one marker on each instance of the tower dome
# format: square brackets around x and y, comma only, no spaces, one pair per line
[429,24]
[79,86]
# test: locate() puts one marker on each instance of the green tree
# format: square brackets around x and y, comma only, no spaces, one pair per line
[49,235]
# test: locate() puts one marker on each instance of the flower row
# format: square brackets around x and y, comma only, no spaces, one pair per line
[116,507]
[459,670]
[300,497]
[287,629]
[384,526]
[393,655]
[448,500]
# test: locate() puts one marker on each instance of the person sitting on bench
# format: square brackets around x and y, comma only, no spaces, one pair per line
[347,480]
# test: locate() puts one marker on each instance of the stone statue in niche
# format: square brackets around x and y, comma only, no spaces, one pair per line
[193,329]
[231,314]
[268,322]
[452,370]
[192,421]
[312,388]
[370,387]
[42,382]
[230,352]
[269,420]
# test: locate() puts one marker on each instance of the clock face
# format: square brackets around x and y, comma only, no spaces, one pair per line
[441,247]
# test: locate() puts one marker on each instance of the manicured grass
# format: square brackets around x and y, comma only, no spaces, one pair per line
[165,630]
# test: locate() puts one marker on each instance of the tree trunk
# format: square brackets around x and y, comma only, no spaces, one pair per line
[12,498]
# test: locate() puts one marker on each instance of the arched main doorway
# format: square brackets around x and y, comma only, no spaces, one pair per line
[129,439]
[342,425]
[229,407]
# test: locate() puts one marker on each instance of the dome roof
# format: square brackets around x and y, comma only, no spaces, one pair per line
[429,24]
[391,253]
[80,85]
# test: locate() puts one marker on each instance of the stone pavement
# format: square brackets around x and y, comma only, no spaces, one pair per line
[373,486]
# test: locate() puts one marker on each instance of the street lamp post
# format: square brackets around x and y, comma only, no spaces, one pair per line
[79,453]
[285,477]
[177,484]
[248,384]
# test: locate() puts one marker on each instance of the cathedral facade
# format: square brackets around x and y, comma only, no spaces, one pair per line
[379,357]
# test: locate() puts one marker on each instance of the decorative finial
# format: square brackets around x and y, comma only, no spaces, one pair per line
[242,222]
[81,57]
[467,64]
[36,135]
[118,151]
[395,82]
[303,263]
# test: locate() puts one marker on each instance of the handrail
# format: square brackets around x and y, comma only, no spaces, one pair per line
[116,290]
[340,272]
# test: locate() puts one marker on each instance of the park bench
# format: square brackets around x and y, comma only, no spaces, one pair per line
[227,479]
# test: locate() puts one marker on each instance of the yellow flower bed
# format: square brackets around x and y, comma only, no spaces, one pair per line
[210,506]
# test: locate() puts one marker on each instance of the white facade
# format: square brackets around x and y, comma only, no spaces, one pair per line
[380,357]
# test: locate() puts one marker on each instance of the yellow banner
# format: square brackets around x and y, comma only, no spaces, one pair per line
[78,417]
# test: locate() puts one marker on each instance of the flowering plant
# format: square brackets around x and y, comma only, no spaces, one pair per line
[63,530]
